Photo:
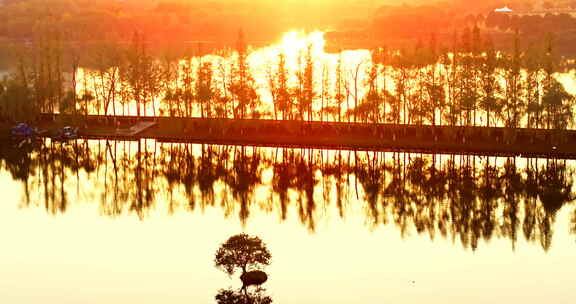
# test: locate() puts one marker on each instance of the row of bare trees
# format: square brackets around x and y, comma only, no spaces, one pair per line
[463,198]
[469,83]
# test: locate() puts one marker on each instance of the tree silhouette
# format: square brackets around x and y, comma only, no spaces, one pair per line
[244,252]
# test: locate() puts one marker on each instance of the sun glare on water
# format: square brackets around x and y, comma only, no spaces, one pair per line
[295,42]
[295,46]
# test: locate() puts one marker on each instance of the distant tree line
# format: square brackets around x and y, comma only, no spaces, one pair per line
[535,25]
[171,20]
[112,19]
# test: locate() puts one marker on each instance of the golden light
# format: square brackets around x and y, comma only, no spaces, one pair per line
[295,42]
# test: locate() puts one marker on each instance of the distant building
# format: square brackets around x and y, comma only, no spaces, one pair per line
[505,10]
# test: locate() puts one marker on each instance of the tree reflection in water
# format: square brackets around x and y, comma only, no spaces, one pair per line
[231,296]
[463,198]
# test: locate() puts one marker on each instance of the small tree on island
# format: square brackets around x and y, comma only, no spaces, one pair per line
[244,252]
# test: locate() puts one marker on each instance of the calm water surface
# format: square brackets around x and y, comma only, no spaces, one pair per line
[129,222]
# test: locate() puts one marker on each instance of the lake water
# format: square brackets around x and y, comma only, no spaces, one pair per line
[140,222]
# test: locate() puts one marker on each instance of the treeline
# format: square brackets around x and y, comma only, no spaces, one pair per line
[469,83]
[171,20]
[534,25]
[403,21]
[407,22]
[463,198]
[83,20]
[400,25]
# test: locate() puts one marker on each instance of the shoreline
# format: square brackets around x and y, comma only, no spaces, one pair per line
[493,141]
